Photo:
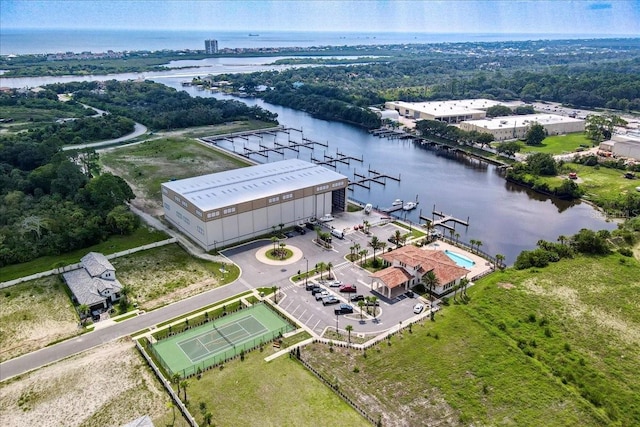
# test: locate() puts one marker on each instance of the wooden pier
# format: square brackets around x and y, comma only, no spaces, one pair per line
[443,220]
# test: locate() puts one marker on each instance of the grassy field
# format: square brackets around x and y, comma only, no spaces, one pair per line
[113,244]
[34,314]
[603,185]
[145,166]
[278,393]
[167,274]
[549,347]
[559,144]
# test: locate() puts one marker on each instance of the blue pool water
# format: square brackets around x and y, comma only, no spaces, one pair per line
[459,259]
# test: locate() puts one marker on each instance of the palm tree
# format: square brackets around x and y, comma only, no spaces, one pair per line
[349,328]
[499,260]
[451,233]
[356,247]
[281,225]
[184,384]
[457,237]
[397,236]
[363,254]
[464,282]
[478,244]
[430,280]
[274,240]
[351,250]
[361,304]
[382,246]
[562,239]
[173,409]
[472,242]
[320,267]
[329,266]
[282,251]
[375,245]
[373,300]
[176,380]
[207,418]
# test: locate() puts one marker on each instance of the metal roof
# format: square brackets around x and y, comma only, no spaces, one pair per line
[241,185]
[522,121]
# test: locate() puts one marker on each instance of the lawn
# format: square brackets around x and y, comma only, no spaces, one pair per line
[604,185]
[278,393]
[115,243]
[559,144]
[167,274]
[34,314]
[554,347]
[145,166]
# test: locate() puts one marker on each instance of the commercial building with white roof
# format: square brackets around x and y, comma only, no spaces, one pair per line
[516,127]
[447,111]
[219,209]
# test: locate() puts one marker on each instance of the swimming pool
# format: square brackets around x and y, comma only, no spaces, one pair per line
[459,259]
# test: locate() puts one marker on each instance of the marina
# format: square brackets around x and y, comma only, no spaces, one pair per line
[442,220]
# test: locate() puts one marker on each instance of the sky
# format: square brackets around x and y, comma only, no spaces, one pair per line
[606,18]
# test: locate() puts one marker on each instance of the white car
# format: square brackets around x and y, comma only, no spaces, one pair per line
[321,295]
[335,284]
[326,218]
[417,309]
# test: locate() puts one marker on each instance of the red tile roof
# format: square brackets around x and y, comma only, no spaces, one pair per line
[443,267]
[393,276]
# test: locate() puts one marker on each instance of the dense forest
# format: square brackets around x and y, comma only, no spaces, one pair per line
[158,106]
[54,201]
[598,77]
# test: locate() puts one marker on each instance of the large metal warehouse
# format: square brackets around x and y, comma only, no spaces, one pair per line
[227,207]
[514,127]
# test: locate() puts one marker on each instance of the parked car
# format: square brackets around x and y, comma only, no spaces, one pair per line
[310,286]
[289,234]
[335,284]
[357,298]
[348,288]
[417,309]
[311,226]
[317,290]
[322,295]
[410,294]
[330,300]
[343,309]
[300,229]
[372,303]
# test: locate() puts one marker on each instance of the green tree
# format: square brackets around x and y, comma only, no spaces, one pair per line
[509,148]
[542,164]
[122,221]
[349,328]
[536,134]
[430,281]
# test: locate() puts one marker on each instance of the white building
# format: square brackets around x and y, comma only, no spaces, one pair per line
[211,46]
[227,207]
[447,111]
[516,127]
[627,146]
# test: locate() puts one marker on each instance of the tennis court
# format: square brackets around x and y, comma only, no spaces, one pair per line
[217,341]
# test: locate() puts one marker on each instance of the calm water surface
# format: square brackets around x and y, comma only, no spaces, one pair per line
[507,218]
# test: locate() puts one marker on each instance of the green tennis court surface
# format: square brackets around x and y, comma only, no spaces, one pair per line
[216,341]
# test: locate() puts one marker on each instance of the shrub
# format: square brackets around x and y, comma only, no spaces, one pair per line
[625,252]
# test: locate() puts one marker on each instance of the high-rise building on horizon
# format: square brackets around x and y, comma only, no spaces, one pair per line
[211,46]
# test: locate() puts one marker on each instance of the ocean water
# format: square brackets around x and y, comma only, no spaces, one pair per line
[30,41]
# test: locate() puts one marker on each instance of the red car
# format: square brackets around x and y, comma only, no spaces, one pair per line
[348,288]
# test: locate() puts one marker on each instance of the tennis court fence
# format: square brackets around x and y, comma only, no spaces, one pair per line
[219,358]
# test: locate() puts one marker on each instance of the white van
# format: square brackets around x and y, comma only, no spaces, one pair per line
[338,233]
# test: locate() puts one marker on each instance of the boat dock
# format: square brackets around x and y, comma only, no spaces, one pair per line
[443,220]
[330,160]
[364,181]
[390,133]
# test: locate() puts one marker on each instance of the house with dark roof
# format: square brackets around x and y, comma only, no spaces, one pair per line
[94,284]
[407,265]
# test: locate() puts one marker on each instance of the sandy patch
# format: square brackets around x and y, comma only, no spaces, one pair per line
[576,309]
[109,385]
[506,285]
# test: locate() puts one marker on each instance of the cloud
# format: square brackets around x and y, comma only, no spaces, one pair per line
[600,6]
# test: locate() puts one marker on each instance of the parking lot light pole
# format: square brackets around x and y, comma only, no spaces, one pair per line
[306,275]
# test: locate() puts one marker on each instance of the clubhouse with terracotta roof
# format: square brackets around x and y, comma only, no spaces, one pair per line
[408,264]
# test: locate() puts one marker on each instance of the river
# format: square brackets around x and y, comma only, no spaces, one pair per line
[506,218]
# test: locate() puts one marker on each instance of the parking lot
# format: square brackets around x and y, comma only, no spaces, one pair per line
[300,303]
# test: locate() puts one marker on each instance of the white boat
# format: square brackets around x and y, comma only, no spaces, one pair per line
[409,205]
[368,208]
[396,202]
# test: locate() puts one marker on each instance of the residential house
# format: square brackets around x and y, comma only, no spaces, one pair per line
[408,264]
[94,284]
